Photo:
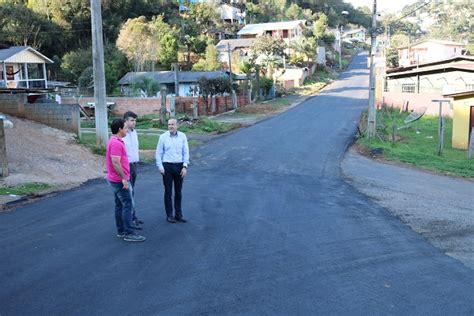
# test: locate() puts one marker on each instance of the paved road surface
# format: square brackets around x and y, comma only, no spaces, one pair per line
[273,229]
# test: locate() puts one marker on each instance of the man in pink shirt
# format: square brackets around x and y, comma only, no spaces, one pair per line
[118,176]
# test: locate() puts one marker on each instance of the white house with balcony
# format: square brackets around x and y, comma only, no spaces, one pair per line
[232,14]
[428,51]
[23,67]
[287,30]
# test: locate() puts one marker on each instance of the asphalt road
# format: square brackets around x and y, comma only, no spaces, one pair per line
[273,229]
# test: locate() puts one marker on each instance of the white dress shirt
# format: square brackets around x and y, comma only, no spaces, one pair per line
[172,148]
[131,144]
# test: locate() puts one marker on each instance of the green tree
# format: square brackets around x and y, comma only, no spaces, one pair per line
[320,26]
[22,26]
[270,51]
[147,85]
[294,12]
[135,41]
[211,61]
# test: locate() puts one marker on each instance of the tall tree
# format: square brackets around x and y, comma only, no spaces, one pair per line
[211,61]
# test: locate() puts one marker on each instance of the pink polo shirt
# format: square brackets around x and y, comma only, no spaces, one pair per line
[116,147]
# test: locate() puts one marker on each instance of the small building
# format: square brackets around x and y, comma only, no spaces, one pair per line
[428,51]
[287,30]
[240,45]
[187,80]
[23,67]
[463,118]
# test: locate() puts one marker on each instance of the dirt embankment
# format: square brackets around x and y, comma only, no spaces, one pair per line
[38,153]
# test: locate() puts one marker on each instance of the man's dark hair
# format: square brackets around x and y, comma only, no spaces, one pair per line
[116,125]
[129,114]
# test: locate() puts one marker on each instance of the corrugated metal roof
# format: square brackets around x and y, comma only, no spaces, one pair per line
[432,63]
[262,27]
[462,66]
[168,76]
[9,53]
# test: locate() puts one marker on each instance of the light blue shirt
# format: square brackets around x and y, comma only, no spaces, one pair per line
[172,149]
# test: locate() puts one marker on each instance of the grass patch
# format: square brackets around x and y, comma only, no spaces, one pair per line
[146,142]
[25,189]
[419,149]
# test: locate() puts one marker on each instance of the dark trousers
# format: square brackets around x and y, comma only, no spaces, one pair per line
[133,178]
[172,175]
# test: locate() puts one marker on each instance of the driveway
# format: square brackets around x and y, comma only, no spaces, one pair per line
[273,228]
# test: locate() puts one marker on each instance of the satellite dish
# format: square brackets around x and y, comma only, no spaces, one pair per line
[415,115]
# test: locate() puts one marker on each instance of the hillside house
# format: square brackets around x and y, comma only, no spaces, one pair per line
[357,35]
[428,51]
[287,30]
[231,14]
[23,67]
[187,80]
[240,46]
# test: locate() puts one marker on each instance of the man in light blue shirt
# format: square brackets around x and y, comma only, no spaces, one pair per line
[172,159]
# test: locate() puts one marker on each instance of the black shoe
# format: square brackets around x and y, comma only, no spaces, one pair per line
[170,219]
[181,219]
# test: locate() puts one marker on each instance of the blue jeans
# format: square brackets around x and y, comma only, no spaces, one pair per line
[123,207]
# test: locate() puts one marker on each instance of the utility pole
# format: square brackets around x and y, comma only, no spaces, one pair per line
[232,93]
[340,47]
[371,124]
[176,78]
[101,123]
[230,64]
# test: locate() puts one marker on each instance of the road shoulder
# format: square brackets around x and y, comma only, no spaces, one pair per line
[437,207]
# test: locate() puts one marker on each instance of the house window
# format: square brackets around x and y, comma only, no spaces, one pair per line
[385,86]
[285,33]
[408,88]
[35,71]
[470,87]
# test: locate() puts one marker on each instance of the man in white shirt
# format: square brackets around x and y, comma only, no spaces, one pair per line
[172,158]
[131,144]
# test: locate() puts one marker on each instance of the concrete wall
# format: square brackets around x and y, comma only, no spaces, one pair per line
[61,116]
[415,101]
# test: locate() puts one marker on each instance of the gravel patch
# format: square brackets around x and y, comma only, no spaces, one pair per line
[39,153]
[440,208]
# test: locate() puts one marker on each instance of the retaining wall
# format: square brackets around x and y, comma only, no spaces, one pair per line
[60,116]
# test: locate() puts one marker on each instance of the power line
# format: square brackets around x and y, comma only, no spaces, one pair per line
[411,12]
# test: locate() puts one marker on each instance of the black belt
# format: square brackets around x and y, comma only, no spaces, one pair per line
[134,163]
[173,163]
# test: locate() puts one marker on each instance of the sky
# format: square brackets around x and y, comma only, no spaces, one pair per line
[382,5]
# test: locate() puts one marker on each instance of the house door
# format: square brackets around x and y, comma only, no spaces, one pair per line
[471,124]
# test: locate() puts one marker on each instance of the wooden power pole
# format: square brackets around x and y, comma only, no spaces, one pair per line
[371,124]
[101,122]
